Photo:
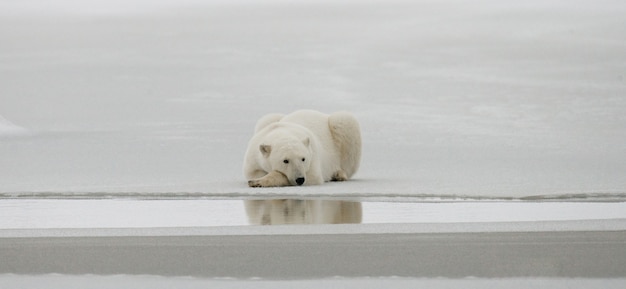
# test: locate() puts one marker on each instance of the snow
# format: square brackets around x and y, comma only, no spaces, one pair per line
[8,129]
[482,122]
[457,100]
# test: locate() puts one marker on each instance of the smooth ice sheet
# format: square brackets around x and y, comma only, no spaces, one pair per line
[153,282]
[457,99]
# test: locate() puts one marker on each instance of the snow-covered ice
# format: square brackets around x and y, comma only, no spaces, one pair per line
[8,129]
[580,250]
[480,99]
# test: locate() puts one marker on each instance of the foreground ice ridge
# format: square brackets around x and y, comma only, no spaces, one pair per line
[288,194]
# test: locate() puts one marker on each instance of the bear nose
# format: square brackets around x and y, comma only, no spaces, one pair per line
[300,181]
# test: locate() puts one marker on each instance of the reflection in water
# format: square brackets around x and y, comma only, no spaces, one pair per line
[290,211]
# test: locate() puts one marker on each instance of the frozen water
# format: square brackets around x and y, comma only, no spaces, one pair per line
[146,281]
[491,250]
[457,100]
[8,129]
[54,214]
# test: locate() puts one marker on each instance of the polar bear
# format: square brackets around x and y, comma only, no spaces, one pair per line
[305,147]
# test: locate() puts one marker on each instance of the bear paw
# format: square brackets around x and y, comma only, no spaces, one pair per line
[273,179]
[254,183]
[339,176]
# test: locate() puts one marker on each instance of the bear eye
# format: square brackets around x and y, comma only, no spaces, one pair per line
[286,161]
[303,159]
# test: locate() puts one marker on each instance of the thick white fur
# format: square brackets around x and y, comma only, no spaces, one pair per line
[329,144]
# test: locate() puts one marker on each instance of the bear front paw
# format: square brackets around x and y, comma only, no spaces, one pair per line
[254,183]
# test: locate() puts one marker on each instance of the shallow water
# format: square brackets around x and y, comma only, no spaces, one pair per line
[132,213]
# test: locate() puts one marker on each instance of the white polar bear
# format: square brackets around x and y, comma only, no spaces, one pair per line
[305,147]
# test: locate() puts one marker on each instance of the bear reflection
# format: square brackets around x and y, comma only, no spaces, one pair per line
[289,211]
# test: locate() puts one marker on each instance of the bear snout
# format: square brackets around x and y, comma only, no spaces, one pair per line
[300,181]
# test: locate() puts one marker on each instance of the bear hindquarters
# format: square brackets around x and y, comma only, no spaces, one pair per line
[267,120]
[346,134]
[339,176]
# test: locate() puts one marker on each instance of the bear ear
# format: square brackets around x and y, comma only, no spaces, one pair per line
[306,142]
[265,150]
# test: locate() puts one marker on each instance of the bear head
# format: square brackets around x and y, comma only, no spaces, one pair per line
[291,157]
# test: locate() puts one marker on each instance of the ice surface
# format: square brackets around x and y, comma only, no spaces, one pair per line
[8,129]
[299,252]
[128,281]
[457,100]
[64,214]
